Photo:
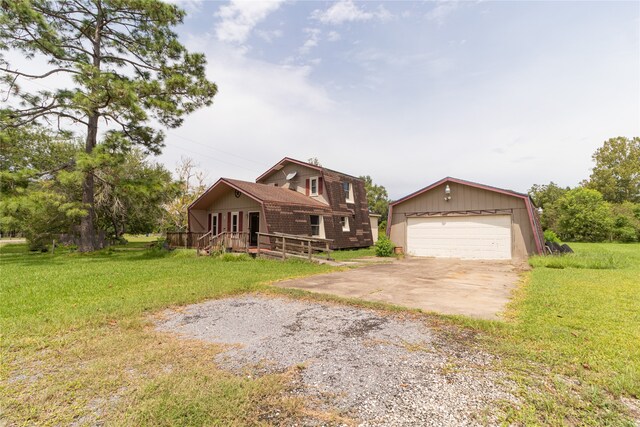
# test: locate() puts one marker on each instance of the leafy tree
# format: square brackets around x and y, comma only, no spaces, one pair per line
[626,222]
[584,216]
[617,171]
[40,190]
[127,66]
[545,196]
[314,161]
[377,198]
[131,192]
[191,184]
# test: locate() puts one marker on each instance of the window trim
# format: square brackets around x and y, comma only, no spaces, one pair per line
[214,223]
[311,181]
[344,221]
[319,225]
[235,221]
[348,195]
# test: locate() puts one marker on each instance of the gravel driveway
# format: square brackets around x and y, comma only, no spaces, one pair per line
[378,368]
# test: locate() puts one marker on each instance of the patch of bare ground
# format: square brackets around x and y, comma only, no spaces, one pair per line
[363,365]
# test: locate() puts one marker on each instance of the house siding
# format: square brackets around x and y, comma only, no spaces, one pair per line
[466,198]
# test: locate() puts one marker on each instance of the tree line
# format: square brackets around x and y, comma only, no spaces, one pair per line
[606,206]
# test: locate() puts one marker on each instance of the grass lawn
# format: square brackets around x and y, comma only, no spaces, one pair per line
[75,336]
[78,346]
[573,337]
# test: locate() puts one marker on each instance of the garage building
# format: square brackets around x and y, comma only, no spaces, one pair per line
[453,218]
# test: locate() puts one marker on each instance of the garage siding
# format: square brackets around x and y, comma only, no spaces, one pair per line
[465,198]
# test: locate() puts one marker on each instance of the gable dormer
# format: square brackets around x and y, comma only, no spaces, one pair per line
[305,178]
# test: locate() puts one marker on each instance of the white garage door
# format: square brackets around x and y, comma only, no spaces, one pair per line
[473,237]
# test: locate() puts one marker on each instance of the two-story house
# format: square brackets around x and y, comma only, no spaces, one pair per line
[292,197]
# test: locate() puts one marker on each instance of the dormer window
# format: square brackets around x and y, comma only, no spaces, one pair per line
[313,186]
[347,189]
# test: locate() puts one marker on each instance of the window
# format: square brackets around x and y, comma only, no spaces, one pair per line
[347,188]
[214,224]
[315,225]
[314,186]
[344,220]
[234,222]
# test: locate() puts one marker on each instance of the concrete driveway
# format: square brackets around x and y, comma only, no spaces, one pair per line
[478,289]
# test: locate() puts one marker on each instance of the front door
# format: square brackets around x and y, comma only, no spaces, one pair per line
[254,227]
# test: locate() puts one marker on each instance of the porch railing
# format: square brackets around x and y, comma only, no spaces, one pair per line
[284,245]
[235,242]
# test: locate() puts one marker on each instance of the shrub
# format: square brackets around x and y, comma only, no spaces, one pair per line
[584,216]
[551,236]
[384,247]
[626,234]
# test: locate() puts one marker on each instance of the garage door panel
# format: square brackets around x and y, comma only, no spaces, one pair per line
[475,237]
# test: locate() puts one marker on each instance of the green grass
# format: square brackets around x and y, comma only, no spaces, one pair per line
[75,328]
[351,254]
[573,339]
[77,343]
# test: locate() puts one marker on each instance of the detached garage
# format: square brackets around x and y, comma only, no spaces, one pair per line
[460,219]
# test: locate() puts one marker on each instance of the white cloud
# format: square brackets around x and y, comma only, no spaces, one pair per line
[333,36]
[312,41]
[442,10]
[239,18]
[347,11]
[269,35]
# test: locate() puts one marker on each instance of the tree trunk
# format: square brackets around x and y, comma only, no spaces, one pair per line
[88,241]
[87,229]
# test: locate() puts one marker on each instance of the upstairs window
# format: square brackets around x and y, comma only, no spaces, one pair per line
[347,189]
[313,186]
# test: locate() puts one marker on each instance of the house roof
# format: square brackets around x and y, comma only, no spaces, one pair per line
[281,163]
[460,181]
[261,193]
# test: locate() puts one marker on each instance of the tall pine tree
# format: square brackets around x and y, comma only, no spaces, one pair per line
[127,66]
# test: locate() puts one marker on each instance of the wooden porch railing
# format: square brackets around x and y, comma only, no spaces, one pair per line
[176,239]
[293,245]
[235,242]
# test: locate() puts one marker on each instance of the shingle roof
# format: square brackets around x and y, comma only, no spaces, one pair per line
[270,193]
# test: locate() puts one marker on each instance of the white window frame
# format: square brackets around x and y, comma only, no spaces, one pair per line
[235,217]
[320,226]
[311,181]
[349,196]
[344,220]
[214,223]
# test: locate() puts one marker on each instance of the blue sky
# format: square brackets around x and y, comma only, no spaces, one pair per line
[504,93]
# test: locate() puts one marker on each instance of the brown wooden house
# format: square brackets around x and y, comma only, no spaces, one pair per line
[292,197]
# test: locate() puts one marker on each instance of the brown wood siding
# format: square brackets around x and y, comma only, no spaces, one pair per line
[465,198]
[359,234]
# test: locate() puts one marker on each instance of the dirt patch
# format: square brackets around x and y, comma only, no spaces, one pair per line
[376,368]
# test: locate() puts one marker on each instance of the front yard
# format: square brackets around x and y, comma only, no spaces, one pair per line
[78,346]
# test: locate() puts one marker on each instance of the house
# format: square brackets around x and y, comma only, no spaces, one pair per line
[292,197]
[453,218]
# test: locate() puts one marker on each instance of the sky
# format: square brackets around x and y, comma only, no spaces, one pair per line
[508,93]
